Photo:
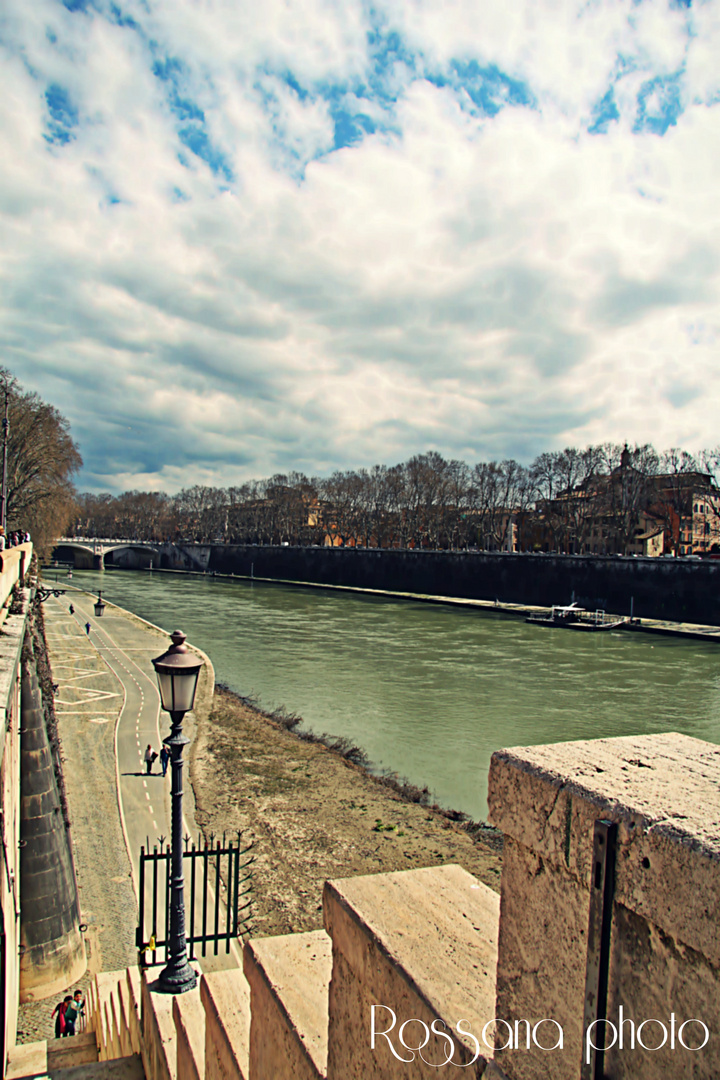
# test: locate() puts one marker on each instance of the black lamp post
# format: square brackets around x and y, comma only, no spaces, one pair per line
[177,673]
[99,605]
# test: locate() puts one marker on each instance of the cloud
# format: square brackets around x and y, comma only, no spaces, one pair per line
[240,240]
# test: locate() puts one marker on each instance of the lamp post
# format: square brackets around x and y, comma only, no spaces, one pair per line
[177,673]
[100,606]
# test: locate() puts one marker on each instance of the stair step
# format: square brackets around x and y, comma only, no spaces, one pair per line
[289,979]
[32,1061]
[78,1049]
[125,1068]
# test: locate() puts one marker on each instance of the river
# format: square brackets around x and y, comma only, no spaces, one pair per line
[428,691]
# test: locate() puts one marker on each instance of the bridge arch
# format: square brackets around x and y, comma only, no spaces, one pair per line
[95,554]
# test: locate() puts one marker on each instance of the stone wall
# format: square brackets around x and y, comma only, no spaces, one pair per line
[674,589]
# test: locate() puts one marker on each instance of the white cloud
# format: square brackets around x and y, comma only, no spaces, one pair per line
[480,284]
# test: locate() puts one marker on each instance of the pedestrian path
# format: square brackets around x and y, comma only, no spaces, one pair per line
[103,668]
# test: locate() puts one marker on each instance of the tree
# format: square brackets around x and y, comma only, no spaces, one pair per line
[42,458]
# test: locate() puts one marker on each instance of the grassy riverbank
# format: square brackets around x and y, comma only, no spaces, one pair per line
[315,813]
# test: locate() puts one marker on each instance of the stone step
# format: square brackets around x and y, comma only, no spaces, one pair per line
[34,1061]
[417,945]
[78,1049]
[289,979]
[225,996]
[124,1068]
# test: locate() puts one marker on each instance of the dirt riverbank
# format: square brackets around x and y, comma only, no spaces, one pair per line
[313,815]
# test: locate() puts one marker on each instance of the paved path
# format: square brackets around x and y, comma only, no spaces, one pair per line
[123,645]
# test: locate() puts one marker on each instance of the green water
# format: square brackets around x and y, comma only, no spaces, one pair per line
[428,691]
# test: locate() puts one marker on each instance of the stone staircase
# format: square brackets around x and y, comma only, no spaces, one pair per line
[411,968]
[424,941]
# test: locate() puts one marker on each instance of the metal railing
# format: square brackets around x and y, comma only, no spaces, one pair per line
[218,896]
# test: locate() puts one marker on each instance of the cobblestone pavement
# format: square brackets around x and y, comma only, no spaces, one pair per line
[88,702]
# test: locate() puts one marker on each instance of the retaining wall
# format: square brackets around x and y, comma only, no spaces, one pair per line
[675,589]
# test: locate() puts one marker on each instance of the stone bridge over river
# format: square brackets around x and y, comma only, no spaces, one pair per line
[93,553]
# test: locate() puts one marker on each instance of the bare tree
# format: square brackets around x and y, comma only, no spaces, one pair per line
[42,459]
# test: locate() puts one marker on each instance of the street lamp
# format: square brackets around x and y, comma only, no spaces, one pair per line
[177,673]
[99,605]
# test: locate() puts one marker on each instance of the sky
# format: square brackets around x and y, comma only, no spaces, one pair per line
[242,238]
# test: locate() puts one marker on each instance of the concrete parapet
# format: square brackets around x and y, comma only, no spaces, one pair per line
[159,1040]
[415,947]
[662,791]
[134,992]
[189,1018]
[225,996]
[289,979]
[102,989]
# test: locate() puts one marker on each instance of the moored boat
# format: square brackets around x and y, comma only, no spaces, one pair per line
[574,617]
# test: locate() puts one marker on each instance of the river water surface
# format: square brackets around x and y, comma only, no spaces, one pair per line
[428,691]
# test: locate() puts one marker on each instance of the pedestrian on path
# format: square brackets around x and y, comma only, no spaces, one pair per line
[60,1009]
[150,756]
[87,628]
[164,758]
[71,609]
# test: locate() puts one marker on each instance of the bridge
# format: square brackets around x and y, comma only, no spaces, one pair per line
[98,547]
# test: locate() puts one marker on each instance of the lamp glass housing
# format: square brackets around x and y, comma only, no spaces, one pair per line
[177,689]
[177,673]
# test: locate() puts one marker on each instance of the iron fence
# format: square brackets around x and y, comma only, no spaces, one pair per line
[218,896]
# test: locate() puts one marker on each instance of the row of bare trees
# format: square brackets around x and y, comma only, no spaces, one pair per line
[427,501]
[42,459]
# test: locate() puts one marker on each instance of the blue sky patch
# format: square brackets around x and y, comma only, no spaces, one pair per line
[63,115]
[489,88]
[120,19]
[350,128]
[76,5]
[198,141]
[604,113]
[659,104]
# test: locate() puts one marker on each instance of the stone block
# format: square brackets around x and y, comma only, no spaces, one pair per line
[159,1039]
[123,1009]
[662,791]
[189,1017]
[27,1059]
[289,977]
[134,991]
[72,1051]
[414,948]
[225,996]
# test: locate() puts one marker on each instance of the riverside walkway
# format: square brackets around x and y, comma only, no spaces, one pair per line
[108,711]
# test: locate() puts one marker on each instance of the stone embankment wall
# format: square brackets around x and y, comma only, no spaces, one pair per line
[423,967]
[675,589]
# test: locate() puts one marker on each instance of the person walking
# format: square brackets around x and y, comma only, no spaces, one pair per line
[60,1020]
[164,758]
[87,628]
[71,609]
[150,756]
[72,1010]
